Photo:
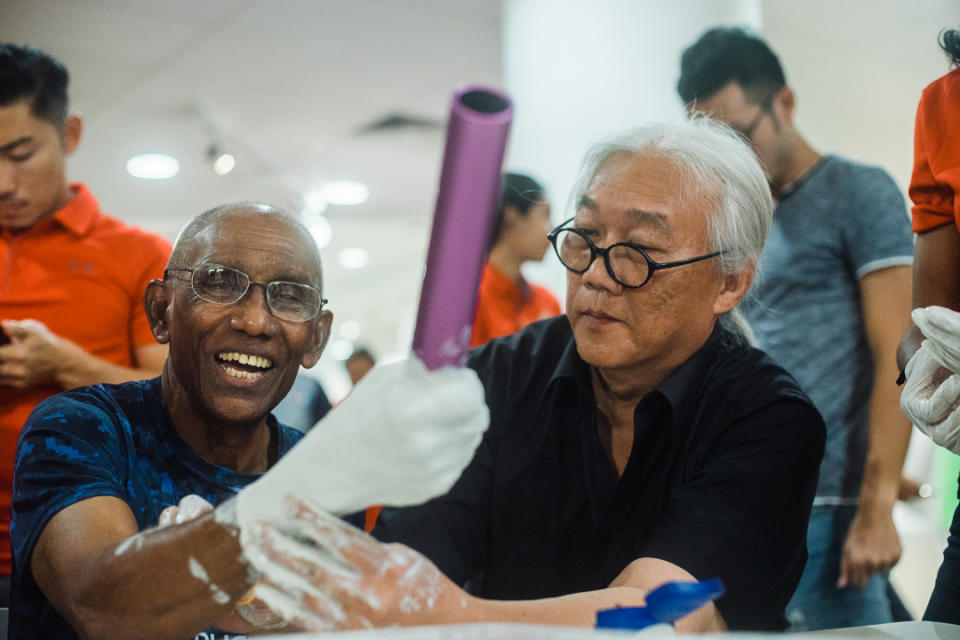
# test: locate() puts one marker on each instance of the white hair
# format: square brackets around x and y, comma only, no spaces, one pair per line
[720,167]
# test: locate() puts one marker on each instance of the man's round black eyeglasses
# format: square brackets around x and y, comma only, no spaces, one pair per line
[291,301]
[627,263]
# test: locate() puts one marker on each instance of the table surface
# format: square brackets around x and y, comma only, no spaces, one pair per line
[916,630]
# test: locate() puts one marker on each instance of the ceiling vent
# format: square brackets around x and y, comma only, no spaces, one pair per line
[396,122]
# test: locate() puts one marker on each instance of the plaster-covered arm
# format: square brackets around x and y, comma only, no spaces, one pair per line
[324,574]
[38,356]
[109,581]
[402,436]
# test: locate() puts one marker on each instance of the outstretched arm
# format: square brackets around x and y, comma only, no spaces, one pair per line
[324,574]
[109,581]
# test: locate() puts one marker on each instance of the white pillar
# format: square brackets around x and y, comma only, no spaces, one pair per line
[578,70]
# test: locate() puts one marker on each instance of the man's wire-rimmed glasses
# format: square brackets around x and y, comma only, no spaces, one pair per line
[291,301]
[748,131]
[627,263]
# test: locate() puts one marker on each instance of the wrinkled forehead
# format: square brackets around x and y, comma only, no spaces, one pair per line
[268,241]
[650,186]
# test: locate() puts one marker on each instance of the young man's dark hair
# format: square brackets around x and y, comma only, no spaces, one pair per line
[30,74]
[729,54]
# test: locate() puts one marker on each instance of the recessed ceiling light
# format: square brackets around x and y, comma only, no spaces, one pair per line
[345,192]
[353,258]
[319,228]
[350,330]
[224,164]
[341,349]
[153,166]
[314,202]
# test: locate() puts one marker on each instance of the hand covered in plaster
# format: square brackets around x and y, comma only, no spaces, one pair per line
[402,436]
[252,612]
[190,507]
[931,395]
[321,573]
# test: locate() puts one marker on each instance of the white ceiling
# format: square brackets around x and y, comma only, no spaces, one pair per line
[288,85]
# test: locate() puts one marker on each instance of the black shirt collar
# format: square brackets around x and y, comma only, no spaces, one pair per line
[679,389]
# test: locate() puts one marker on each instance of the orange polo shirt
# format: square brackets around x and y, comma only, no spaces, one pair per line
[936,167]
[505,306]
[83,275]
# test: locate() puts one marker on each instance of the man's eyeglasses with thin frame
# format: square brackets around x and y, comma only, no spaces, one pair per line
[290,301]
[627,263]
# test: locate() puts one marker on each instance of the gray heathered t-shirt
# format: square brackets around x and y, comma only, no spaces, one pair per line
[842,221]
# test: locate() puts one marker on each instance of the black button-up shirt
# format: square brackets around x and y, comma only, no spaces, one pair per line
[719,481]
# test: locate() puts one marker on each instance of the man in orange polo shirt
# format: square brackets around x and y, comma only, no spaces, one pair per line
[71,278]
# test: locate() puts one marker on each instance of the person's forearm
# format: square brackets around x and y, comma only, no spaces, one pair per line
[166,583]
[889,437]
[79,368]
[578,609]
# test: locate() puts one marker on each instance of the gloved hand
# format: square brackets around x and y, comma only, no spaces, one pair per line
[931,395]
[941,327]
[402,436]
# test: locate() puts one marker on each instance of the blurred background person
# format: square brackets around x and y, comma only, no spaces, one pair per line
[936,277]
[73,278]
[359,364]
[829,306]
[506,302]
[304,405]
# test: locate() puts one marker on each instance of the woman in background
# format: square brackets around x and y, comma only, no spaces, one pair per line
[507,302]
[936,281]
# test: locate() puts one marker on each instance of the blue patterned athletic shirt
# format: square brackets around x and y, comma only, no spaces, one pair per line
[105,440]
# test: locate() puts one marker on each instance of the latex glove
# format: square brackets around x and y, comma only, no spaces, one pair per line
[402,436]
[320,573]
[931,398]
[941,327]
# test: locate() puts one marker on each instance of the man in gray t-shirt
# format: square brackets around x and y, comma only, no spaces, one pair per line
[830,303]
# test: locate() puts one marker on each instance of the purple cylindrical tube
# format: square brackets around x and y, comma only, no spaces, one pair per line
[466,203]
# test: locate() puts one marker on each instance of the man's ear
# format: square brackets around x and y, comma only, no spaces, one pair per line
[784,102]
[321,333]
[157,299]
[72,132]
[732,289]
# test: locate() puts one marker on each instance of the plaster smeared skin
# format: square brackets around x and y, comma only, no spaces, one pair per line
[311,543]
[198,572]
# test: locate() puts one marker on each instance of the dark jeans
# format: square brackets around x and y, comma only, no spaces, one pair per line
[4,591]
[944,605]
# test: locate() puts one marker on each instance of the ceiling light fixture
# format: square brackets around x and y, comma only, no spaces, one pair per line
[153,166]
[319,228]
[353,258]
[345,192]
[350,330]
[223,163]
[341,349]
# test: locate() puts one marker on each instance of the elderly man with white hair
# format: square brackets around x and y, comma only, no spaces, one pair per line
[636,440]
